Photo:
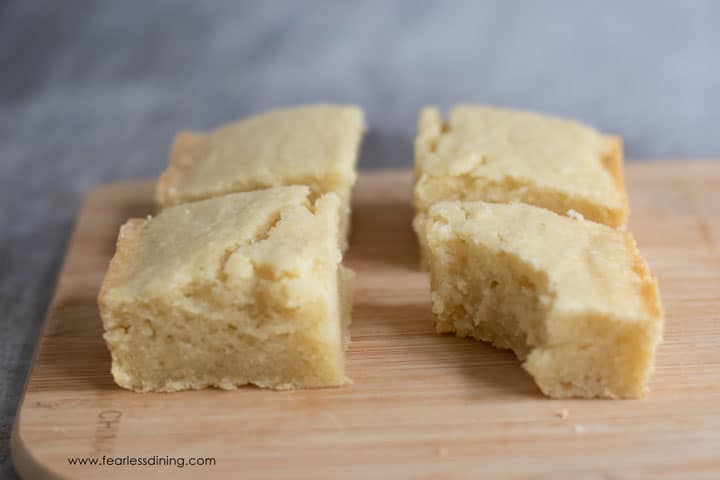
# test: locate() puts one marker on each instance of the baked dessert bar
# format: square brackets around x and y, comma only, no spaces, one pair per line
[502,155]
[572,298]
[314,145]
[238,289]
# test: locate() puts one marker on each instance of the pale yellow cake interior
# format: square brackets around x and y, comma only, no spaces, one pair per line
[572,298]
[313,145]
[502,155]
[238,289]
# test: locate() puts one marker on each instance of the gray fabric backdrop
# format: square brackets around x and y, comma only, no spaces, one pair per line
[92,91]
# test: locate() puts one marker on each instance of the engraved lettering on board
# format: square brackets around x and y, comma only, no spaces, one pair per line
[106,430]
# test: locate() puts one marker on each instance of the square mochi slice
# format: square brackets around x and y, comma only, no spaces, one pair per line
[572,298]
[313,145]
[241,289]
[502,155]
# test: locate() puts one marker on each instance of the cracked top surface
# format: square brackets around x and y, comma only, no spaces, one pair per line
[529,150]
[232,241]
[313,145]
[589,268]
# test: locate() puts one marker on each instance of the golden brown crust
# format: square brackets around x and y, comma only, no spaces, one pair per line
[649,289]
[183,142]
[613,163]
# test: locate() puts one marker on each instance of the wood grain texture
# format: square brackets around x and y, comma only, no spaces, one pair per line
[422,405]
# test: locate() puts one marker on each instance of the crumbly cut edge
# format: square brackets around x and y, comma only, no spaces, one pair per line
[432,125]
[128,237]
[345,286]
[124,249]
[653,323]
[418,225]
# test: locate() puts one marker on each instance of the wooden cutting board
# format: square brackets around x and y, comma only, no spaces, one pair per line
[422,405]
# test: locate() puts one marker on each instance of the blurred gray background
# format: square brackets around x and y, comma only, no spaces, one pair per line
[92,91]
